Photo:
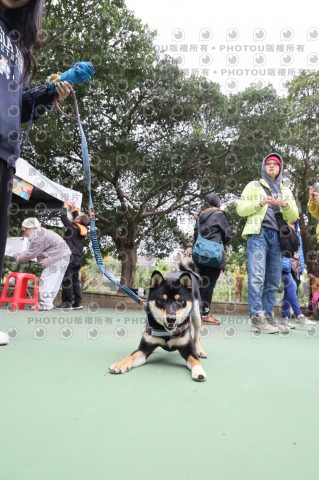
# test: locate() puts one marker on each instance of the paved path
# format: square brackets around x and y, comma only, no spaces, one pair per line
[63,416]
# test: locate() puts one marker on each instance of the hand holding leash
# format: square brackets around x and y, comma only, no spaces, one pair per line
[79,73]
[63,90]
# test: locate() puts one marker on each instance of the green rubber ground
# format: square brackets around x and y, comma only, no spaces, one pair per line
[64,417]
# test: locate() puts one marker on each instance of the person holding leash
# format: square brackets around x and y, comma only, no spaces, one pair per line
[20,26]
[263,246]
[212,226]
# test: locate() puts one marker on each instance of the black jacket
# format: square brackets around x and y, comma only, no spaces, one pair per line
[74,234]
[214,226]
[16,104]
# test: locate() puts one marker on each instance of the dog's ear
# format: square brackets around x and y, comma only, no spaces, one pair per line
[156,279]
[186,280]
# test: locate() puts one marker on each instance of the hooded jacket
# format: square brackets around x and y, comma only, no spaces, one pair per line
[213,224]
[16,103]
[249,203]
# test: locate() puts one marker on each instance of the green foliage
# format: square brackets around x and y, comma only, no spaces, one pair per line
[301,142]
[94,280]
[143,122]
[236,260]
[159,142]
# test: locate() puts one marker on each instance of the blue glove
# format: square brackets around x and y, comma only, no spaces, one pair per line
[79,73]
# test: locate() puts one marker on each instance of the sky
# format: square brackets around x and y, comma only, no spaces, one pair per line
[236,43]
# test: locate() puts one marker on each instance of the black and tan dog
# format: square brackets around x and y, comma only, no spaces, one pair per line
[172,304]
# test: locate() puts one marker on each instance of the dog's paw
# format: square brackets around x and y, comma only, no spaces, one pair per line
[201,354]
[198,373]
[199,350]
[120,367]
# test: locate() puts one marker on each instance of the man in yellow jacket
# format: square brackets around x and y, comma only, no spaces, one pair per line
[263,247]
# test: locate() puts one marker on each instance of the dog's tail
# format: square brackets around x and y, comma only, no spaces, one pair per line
[188,265]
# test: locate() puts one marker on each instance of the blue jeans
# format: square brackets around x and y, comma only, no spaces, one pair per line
[290,296]
[264,270]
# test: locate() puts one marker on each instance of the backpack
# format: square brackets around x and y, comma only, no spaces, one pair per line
[207,252]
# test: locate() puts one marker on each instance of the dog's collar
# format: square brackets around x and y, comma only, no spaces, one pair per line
[163,333]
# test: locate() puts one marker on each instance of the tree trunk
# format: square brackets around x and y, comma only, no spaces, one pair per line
[239,288]
[129,260]
[101,278]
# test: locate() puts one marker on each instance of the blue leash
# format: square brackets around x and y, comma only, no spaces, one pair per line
[86,165]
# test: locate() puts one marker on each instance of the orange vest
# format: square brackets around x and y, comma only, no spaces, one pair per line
[83,229]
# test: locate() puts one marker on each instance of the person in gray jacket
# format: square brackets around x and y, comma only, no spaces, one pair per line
[52,253]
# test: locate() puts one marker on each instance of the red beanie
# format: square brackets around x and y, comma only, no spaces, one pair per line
[275,159]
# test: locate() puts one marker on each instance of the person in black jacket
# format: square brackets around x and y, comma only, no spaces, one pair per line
[213,226]
[75,234]
[20,25]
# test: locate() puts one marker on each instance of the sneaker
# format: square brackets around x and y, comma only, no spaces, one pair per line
[302,320]
[65,306]
[40,309]
[77,306]
[272,321]
[287,323]
[260,325]
[4,338]
[210,320]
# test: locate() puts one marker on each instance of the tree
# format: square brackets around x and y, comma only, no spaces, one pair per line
[301,141]
[141,119]
[159,142]
[253,122]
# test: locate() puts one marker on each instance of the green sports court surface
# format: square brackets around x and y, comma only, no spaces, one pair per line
[64,417]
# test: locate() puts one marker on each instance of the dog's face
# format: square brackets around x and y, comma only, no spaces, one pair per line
[170,302]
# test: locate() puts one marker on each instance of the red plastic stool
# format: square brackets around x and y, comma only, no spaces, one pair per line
[19,298]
